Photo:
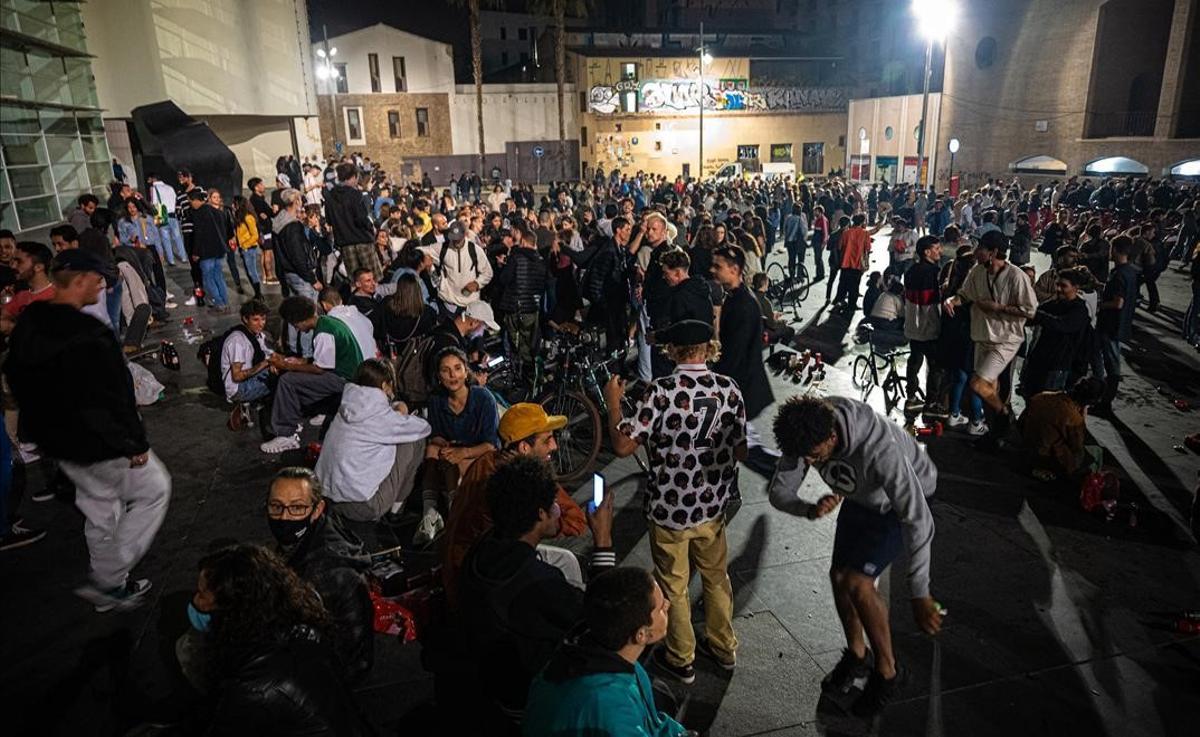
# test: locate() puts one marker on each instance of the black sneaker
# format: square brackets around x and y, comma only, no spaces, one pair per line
[681,673]
[850,672]
[705,648]
[19,536]
[878,694]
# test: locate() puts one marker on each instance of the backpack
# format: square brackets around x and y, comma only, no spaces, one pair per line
[471,252]
[411,357]
[210,355]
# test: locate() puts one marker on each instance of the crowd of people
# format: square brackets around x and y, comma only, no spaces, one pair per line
[393,298]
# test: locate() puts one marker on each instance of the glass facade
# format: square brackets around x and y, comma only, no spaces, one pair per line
[52,145]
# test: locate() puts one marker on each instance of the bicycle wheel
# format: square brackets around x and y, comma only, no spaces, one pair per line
[579,441]
[862,374]
[802,283]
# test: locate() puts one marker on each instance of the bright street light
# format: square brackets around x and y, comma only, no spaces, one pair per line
[953,145]
[321,53]
[706,58]
[935,18]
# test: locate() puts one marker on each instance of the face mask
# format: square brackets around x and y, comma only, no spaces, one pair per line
[289,532]
[201,621]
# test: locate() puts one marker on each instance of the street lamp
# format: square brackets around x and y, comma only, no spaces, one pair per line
[935,18]
[705,59]
[953,147]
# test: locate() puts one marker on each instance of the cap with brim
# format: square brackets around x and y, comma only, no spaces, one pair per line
[75,259]
[455,232]
[525,419]
[482,312]
[685,332]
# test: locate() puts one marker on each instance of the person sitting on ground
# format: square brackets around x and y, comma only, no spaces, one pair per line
[886,316]
[464,421]
[368,293]
[265,635]
[777,329]
[594,684]
[319,547]
[246,358]
[526,430]
[516,607]
[343,339]
[1054,428]
[370,455]
[403,316]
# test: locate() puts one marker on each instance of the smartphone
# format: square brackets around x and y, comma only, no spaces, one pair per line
[494,362]
[597,489]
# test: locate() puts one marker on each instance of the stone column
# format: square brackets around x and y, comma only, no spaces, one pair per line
[1172,84]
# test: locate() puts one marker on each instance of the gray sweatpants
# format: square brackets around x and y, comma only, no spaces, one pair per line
[394,488]
[296,391]
[123,508]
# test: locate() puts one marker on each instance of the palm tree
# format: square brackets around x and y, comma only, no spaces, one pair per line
[559,9]
[477,62]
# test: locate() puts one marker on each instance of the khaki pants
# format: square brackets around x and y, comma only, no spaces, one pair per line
[676,553]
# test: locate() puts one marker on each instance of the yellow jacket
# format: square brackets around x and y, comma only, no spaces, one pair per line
[247,233]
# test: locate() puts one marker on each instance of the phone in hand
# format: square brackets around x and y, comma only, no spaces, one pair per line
[597,490]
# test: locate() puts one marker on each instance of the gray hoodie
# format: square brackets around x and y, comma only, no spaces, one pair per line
[876,465]
[360,447]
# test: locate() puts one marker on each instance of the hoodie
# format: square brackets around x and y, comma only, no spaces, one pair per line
[73,387]
[346,211]
[360,447]
[293,252]
[588,690]
[876,465]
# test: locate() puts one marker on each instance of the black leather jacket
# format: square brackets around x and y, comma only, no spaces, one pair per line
[324,559]
[287,688]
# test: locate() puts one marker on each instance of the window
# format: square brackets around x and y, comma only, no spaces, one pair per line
[583,135]
[629,71]
[747,151]
[1115,165]
[985,52]
[422,121]
[394,123]
[373,66]
[399,74]
[814,158]
[583,102]
[343,86]
[781,152]
[354,127]
[888,133]
[522,34]
[658,145]
[503,33]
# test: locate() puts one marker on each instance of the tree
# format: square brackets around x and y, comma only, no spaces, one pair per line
[477,62]
[559,9]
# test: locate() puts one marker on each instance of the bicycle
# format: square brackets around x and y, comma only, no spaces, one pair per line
[787,291]
[882,355]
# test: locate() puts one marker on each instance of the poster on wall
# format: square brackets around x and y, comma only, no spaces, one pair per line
[885,168]
[860,167]
[910,169]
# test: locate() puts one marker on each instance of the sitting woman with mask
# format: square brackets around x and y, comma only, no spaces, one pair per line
[264,633]
[371,453]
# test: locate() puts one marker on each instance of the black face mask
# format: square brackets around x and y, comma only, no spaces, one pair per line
[289,532]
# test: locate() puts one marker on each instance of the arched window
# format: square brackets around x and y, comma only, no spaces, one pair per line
[1040,164]
[1187,168]
[1115,165]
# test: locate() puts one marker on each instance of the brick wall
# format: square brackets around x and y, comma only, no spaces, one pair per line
[380,145]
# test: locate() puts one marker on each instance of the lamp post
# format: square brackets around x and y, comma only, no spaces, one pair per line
[704,59]
[328,73]
[953,147]
[935,17]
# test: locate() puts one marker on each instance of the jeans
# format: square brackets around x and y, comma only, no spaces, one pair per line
[231,257]
[254,388]
[296,393]
[848,287]
[302,342]
[170,239]
[214,282]
[795,253]
[251,258]
[112,303]
[956,394]
[123,508]
[818,246]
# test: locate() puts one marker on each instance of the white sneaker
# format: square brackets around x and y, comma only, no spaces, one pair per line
[123,598]
[978,428]
[317,421]
[191,302]
[171,305]
[430,527]
[169,294]
[280,444]
[957,420]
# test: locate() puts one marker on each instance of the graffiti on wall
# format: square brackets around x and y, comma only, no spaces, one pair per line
[678,95]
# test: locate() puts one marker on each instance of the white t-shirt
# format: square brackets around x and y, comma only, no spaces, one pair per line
[313,179]
[237,349]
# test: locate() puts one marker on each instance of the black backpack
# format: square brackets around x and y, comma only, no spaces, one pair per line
[471,252]
[411,359]
[210,355]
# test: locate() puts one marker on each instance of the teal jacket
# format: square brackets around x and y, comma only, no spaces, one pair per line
[587,691]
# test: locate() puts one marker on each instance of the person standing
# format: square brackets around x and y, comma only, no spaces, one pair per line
[68,375]
[855,245]
[922,318]
[885,478]
[348,215]
[693,424]
[795,237]
[212,234]
[1114,319]
[1002,299]
[165,201]
[522,281]
[263,213]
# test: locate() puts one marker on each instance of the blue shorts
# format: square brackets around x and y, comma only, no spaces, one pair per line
[866,541]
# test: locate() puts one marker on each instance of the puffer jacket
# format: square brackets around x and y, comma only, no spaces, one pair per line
[587,690]
[325,558]
[287,688]
[523,281]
